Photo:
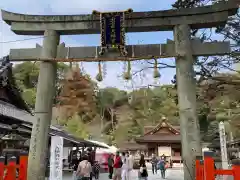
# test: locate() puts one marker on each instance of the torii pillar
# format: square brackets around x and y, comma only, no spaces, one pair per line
[186,88]
[43,108]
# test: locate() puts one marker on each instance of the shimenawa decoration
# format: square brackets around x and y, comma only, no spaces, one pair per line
[127,75]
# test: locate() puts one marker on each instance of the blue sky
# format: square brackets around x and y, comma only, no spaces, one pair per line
[114,70]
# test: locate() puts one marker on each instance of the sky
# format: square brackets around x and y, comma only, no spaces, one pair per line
[113,70]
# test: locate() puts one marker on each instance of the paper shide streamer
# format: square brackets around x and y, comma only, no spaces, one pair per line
[99,76]
[156,73]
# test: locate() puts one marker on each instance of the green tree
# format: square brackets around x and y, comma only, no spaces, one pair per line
[26,76]
[75,126]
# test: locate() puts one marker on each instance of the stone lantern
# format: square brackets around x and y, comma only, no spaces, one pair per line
[13,144]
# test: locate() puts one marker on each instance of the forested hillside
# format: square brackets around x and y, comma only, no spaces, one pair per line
[115,116]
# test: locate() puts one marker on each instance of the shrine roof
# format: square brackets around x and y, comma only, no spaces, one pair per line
[14,114]
[154,134]
[161,138]
[25,130]
[163,124]
[7,83]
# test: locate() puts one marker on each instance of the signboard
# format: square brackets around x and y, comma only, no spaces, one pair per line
[167,151]
[113,31]
[223,145]
[56,158]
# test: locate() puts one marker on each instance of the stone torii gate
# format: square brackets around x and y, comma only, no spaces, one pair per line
[183,48]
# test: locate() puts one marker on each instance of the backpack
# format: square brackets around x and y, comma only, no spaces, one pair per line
[84,169]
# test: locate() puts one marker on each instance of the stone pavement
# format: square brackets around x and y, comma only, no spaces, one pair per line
[171,174]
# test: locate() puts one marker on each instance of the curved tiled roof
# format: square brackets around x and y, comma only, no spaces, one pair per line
[7,81]
[163,124]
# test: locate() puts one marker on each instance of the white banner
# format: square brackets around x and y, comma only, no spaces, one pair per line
[167,151]
[56,158]
[223,144]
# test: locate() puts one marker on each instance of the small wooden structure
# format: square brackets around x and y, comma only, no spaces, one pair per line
[13,170]
[205,169]
[162,139]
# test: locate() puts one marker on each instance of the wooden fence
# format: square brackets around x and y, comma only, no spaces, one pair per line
[205,169]
[12,170]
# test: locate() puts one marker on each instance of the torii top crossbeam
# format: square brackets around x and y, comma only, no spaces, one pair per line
[201,17]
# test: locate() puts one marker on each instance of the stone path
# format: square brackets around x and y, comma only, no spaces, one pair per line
[171,174]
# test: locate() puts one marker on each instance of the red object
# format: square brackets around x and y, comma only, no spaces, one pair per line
[102,158]
[205,170]
[209,170]
[117,162]
[9,171]
[23,167]
[2,160]
[236,168]
[199,168]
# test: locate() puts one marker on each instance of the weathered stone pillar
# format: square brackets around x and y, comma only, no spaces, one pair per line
[186,88]
[43,108]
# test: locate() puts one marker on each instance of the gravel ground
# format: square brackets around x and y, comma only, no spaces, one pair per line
[171,174]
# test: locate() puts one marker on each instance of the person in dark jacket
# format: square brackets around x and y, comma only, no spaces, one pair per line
[162,168]
[75,162]
[154,162]
[96,170]
[143,174]
[110,165]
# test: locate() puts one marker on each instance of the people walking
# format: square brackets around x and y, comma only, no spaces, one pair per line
[96,170]
[84,169]
[130,164]
[91,158]
[117,167]
[125,166]
[75,162]
[154,162]
[143,174]
[171,163]
[110,165]
[162,167]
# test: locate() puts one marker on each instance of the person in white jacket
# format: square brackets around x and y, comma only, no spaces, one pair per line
[130,165]
[125,167]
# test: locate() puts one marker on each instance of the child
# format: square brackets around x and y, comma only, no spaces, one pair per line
[96,169]
[162,167]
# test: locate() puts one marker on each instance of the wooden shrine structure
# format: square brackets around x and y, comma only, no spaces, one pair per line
[112,26]
[162,139]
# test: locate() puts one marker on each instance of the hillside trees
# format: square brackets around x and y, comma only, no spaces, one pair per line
[218,91]
[26,75]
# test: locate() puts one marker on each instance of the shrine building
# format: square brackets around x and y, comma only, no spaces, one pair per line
[163,139]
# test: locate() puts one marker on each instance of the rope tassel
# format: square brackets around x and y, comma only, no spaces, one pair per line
[99,76]
[156,73]
[127,75]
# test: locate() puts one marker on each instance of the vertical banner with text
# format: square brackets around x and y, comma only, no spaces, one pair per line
[112,29]
[56,158]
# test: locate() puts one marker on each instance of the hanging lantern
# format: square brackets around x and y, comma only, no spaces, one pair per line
[99,76]
[156,73]
[127,75]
